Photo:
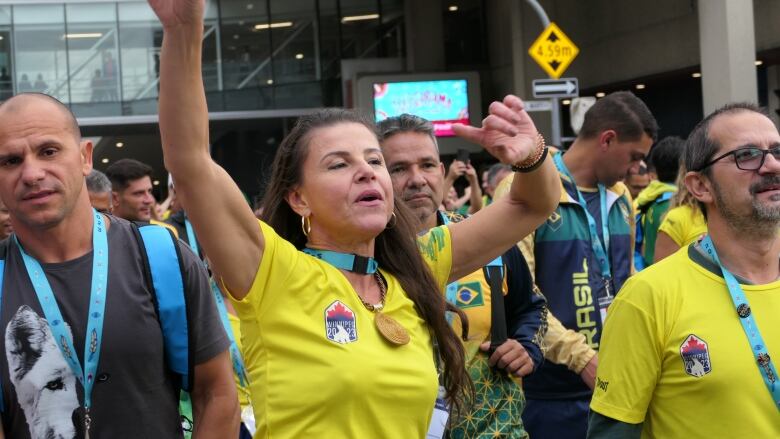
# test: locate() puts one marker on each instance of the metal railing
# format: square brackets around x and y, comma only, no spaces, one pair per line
[94,49]
[275,53]
[152,84]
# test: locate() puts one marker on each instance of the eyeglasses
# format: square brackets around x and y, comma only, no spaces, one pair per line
[747,159]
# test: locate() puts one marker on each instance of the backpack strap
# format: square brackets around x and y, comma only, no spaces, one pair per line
[494,274]
[3,253]
[164,264]
[666,196]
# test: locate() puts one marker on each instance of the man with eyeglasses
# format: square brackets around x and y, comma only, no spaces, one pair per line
[691,344]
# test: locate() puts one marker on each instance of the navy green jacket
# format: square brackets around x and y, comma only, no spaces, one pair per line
[570,277]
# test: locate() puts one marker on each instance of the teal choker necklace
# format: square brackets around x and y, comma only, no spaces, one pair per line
[345,261]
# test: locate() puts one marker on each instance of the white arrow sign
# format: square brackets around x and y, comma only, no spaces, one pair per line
[556,88]
[567,87]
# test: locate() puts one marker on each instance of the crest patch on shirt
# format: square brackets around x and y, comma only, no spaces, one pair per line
[340,323]
[626,214]
[696,356]
[554,221]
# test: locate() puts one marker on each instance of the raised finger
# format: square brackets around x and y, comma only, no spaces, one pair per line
[514,103]
[468,132]
[499,124]
[507,113]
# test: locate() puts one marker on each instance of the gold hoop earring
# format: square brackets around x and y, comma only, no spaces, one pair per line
[305,227]
[393,221]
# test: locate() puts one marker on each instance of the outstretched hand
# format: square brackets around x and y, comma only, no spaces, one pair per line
[507,133]
[173,13]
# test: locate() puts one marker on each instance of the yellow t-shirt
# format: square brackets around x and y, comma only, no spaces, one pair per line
[683,224]
[674,355]
[318,367]
[243,391]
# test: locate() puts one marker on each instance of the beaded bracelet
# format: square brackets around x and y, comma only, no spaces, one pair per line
[533,162]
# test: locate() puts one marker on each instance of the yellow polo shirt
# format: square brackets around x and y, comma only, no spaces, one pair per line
[675,357]
[318,367]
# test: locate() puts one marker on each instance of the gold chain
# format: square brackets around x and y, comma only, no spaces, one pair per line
[382,293]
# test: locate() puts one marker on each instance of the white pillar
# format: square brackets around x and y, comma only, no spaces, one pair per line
[728,52]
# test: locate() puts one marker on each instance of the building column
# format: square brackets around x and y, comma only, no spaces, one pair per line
[424,36]
[728,52]
[773,90]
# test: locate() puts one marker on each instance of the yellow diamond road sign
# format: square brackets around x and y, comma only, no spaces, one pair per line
[553,51]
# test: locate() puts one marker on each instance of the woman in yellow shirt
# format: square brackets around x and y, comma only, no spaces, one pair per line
[682,224]
[339,341]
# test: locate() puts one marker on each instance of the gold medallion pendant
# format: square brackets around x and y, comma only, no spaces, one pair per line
[391,329]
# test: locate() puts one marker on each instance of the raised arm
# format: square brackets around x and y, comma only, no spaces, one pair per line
[509,135]
[456,169]
[224,222]
[475,200]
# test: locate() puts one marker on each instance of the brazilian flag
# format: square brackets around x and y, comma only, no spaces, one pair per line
[469,295]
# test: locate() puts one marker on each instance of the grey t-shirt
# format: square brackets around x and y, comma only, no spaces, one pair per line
[134,395]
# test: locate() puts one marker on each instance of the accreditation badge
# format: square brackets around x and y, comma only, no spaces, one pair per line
[605,300]
[441,412]
[248,418]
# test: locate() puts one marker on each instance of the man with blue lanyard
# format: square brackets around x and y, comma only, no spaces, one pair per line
[82,341]
[691,345]
[495,364]
[583,253]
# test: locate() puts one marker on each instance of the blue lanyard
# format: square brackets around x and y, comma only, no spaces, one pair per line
[97,305]
[191,236]
[345,261]
[598,250]
[235,354]
[760,351]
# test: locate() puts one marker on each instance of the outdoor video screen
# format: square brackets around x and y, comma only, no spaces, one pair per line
[443,102]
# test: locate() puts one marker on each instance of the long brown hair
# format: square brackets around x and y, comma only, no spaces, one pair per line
[683,197]
[396,248]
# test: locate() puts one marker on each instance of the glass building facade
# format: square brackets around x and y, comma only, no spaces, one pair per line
[102,57]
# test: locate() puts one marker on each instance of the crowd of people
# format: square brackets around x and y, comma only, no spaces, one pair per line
[622,288]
